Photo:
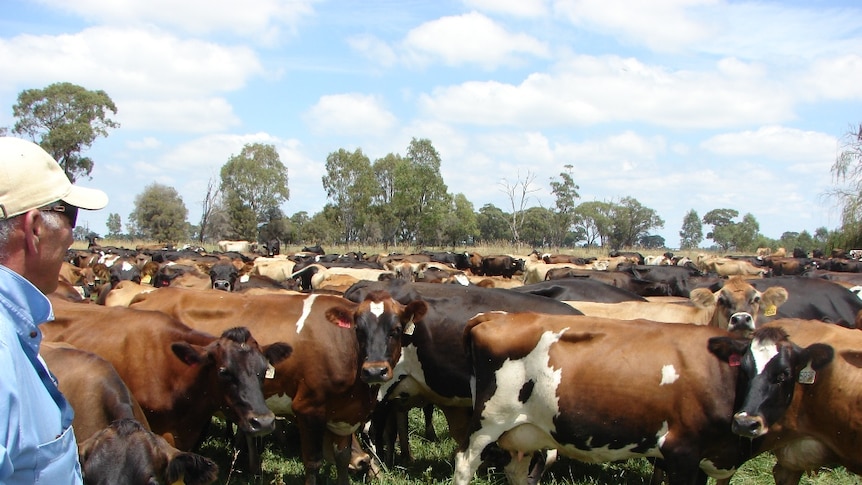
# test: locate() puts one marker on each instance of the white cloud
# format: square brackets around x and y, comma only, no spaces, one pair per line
[515,8]
[177,115]
[663,25]
[814,149]
[589,90]
[262,20]
[373,48]
[349,114]
[470,38]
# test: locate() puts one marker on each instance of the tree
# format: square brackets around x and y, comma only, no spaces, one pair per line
[565,193]
[65,119]
[207,207]
[383,202]
[536,226]
[722,223]
[160,214]
[114,225]
[691,233]
[631,221]
[493,224]
[594,221]
[746,233]
[253,183]
[350,185]
[420,199]
[847,174]
[460,226]
[517,193]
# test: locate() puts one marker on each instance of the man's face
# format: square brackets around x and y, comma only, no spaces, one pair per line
[56,239]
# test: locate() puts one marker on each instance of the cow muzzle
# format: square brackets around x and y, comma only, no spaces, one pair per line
[376,372]
[223,285]
[741,322]
[748,426]
[261,424]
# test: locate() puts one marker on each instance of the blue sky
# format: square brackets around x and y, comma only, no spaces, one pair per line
[681,104]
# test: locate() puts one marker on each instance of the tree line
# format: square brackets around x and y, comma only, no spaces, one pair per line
[398,200]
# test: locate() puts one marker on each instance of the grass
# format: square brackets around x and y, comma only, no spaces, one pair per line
[434,464]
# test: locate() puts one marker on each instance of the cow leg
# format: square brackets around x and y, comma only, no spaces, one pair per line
[342,451]
[402,428]
[383,432]
[311,437]
[459,422]
[785,476]
[428,412]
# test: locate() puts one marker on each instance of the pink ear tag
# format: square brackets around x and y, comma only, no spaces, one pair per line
[734,360]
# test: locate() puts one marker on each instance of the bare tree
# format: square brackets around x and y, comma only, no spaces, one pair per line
[517,193]
[207,206]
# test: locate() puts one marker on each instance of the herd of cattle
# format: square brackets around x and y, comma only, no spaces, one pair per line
[700,364]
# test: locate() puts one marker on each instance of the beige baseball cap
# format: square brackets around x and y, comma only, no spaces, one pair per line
[30,178]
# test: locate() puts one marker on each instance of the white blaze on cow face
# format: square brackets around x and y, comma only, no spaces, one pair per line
[669,375]
[763,351]
[306,310]
[376,308]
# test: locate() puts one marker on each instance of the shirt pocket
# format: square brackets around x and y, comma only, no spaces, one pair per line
[57,461]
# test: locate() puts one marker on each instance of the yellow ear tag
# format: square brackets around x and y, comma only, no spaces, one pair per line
[181,481]
[770,311]
[146,280]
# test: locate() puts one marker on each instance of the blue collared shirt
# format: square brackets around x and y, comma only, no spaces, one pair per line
[37,444]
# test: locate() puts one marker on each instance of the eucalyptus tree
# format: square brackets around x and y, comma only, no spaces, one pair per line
[252,184]
[350,186]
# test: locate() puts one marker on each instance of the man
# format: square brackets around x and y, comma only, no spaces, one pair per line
[38,207]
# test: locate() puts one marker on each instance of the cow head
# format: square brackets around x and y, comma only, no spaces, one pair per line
[127,452]
[379,322]
[238,366]
[737,304]
[770,366]
[223,276]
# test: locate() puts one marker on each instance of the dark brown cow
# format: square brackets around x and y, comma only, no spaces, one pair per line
[502,265]
[165,363]
[342,349]
[115,442]
[553,382]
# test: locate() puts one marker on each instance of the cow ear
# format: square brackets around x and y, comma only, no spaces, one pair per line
[702,298]
[191,468]
[774,297]
[819,355]
[414,311]
[277,352]
[728,349]
[852,357]
[188,353]
[340,316]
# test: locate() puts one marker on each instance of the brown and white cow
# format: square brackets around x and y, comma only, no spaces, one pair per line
[342,351]
[599,390]
[115,443]
[180,376]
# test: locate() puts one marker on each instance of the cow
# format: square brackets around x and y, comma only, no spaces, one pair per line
[735,306]
[234,246]
[434,367]
[343,350]
[814,299]
[619,279]
[114,439]
[502,265]
[165,363]
[580,289]
[802,400]
[680,280]
[552,382]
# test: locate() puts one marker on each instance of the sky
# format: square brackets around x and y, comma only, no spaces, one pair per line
[682,104]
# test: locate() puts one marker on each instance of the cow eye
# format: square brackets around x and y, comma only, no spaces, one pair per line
[222,372]
[395,333]
[756,299]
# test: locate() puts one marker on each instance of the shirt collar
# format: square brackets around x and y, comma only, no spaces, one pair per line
[24,300]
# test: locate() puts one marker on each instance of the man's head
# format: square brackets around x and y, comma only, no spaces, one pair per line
[38,210]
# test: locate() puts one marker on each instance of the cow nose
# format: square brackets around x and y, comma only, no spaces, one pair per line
[375,373]
[748,426]
[223,285]
[261,424]
[741,321]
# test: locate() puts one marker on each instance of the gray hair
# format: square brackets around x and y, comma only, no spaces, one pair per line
[52,220]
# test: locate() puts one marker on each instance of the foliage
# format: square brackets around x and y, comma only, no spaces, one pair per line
[114,225]
[536,227]
[65,119]
[350,186]
[847,174]
[460,226]
[420,199]
[594,220]
[493,224]
[691,233]
[565,194]
[253,183]
[730,235]
[383,207]
[160,214]
[631,221]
